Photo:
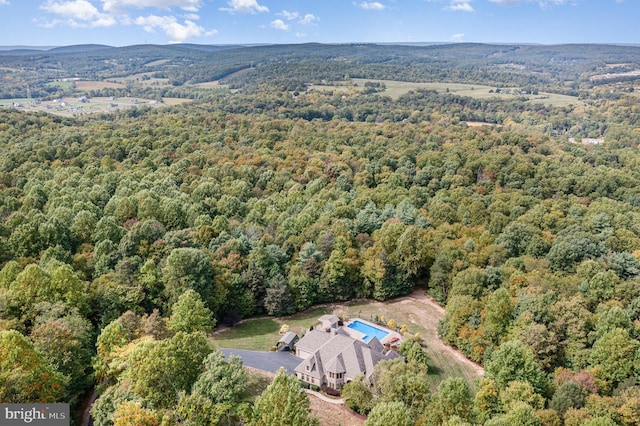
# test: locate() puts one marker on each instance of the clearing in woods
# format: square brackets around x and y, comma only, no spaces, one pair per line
[395,89]
[419,312]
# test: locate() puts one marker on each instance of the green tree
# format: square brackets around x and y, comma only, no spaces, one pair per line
[65,342]
[282,403]
[279,298]
[498,312]
[160,370]
[396,380]
[568,395]
[517,392]
[357,394]
[221,381]
[514,361]
[112,337]
[188,268]
[520,414]
[486,403]
[25,375]
[189,314]
[454,399]
[615,358]
[105,406]
[133,413]
[390,413]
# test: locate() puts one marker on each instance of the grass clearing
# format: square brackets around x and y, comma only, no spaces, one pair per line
[261,334]
[88,85]
[420,314]
[11,102]
[156,63]
[72,106]
[176,101]
[63,84]
[257,381]
[395,89]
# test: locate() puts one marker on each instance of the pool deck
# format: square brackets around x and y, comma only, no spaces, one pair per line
[392,336]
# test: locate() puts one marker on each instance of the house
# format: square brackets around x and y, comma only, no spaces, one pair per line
[287,341]
[334,358]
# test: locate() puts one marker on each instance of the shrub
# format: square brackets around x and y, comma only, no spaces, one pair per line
[329,391]
[303,384]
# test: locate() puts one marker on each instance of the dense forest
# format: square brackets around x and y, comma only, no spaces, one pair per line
[125,236]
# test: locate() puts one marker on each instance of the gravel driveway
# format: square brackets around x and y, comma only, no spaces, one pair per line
[266,361]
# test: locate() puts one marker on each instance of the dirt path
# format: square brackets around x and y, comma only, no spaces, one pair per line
[424,311]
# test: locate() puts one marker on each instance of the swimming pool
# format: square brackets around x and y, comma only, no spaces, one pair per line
[369,331]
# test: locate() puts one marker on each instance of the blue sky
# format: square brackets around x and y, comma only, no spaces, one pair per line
[125,22]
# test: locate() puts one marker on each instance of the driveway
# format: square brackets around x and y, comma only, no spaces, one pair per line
[266,361]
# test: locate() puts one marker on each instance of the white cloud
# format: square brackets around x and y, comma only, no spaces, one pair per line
[4,2]
[279,24]
[460,6]
[120,6]
[301,35]
[289,16]
[309,18]
[169,25]
[78,9]
[244,6]
[373,5]
[192,16]
[77,13]
[457,37]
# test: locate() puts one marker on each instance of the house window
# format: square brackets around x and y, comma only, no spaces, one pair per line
[307,367]
[330,375]
[339,376]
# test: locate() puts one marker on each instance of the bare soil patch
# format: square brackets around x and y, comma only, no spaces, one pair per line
[481,124]
[333,414]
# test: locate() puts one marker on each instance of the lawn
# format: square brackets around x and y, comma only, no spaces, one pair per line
[420,315]
[71,106]
[261,334]
[395,89]
[63,84]
[87,85]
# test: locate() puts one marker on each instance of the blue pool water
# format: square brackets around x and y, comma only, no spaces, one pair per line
[368,330]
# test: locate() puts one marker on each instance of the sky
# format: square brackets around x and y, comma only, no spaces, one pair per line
[127,22]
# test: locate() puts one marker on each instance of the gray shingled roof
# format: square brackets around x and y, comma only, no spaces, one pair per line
[288,338]
[331,318]
[313,340]
[340,353]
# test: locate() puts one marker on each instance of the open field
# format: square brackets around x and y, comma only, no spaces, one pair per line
[261,334]
[419,313]
[480,124]
[69,107]
[176,101]
[64,84]
[156,63]
[209,84]
[87,85]
[144,79]
[395,89]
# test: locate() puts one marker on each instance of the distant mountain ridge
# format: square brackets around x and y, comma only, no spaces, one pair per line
[79,48]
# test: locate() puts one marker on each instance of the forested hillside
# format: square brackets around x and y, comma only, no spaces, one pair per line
[265,201]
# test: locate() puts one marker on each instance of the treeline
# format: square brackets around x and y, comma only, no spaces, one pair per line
[559,69]
[251,208]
